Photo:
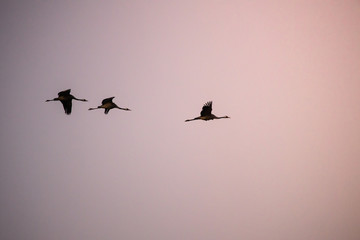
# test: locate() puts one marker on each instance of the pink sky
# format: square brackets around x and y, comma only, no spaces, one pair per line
[284,166]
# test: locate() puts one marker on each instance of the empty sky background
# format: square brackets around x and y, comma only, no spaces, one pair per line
[286,165]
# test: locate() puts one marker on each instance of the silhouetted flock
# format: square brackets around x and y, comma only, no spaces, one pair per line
[66,99]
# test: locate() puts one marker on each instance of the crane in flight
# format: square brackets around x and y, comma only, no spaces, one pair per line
[108,104]
[206,114]
[66,99]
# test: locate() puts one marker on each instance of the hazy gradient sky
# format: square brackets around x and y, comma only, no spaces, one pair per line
[285,166]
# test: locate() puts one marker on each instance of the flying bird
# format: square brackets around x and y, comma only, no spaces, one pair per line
[66,99]
[108,104]
[206,114]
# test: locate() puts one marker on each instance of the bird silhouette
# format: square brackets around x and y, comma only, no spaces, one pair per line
[108,104]
[206,113]
[66,99]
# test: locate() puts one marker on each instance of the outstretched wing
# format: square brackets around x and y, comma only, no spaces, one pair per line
[206,110]
[67,106]
[64,93]
[107,100]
